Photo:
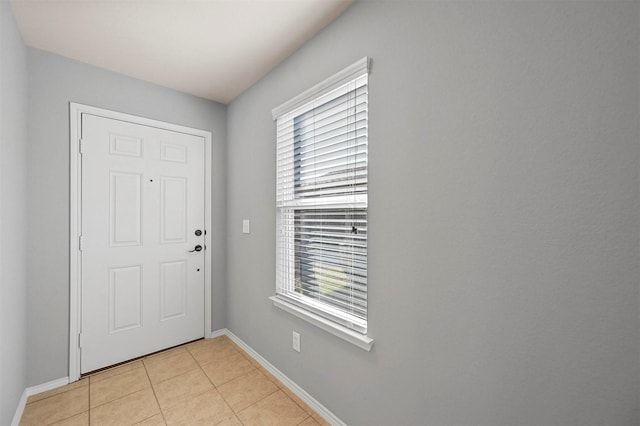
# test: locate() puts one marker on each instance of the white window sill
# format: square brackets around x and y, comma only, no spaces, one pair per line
[361,341]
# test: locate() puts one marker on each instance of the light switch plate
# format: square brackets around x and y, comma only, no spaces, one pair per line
[296,341]
[246,226]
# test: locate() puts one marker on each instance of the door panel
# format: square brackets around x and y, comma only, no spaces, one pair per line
[173,209]
[125,298]
[173,287]
[125,208]
[142,201]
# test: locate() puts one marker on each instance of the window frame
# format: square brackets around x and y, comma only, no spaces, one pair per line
[334,320]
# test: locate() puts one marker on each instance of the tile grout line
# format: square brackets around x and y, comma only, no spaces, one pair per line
[115,375]
[50,396]
[44,399]
[249,358]
[154,393]
[204,372]
[305,419]
[262,399]
[228,381]
[118,398]
[194,396]
[280,386]
[303,409]
[216,387]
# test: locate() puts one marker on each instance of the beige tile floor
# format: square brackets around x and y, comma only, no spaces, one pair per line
[208,382]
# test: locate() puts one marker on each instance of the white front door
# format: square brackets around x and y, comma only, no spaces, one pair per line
[142,244]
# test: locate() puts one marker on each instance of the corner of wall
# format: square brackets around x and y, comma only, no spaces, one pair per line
[13,204]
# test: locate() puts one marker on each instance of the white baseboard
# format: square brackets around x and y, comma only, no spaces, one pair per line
[20,409]
[301,393]
[32,391]
[218,333]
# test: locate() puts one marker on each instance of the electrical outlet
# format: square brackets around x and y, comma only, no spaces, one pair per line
[296,341]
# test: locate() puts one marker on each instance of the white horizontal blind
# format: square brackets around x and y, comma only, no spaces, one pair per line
[322,201]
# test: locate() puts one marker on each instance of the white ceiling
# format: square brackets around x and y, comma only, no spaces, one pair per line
[214,49]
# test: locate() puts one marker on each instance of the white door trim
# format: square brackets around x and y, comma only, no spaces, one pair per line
[75,226]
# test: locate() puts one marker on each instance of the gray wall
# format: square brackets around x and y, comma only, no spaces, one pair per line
[504,223]
[54,81]
[13,214]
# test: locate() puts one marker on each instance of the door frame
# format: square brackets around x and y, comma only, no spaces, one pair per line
[75,224]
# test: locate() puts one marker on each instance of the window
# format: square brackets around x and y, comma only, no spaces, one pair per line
[322,204]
